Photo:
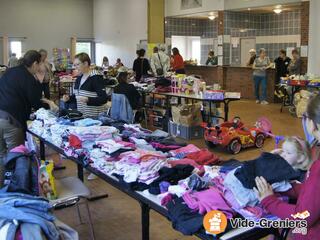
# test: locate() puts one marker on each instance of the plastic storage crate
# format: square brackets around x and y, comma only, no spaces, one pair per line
[185,132]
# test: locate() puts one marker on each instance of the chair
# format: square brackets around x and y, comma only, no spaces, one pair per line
[70,191]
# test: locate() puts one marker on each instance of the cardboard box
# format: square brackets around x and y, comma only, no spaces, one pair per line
[187,114]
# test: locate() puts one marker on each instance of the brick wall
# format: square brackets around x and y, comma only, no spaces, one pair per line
[220,23]
[233,79]
[305,6]
[240,79]
[208,73]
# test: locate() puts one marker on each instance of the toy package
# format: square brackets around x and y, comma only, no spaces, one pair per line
[46,180]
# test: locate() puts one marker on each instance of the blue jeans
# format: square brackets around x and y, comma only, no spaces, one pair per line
[260,80]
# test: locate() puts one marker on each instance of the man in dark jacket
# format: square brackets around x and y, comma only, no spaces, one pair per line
[282,63]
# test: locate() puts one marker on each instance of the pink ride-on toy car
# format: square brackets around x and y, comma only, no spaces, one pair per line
[234,135]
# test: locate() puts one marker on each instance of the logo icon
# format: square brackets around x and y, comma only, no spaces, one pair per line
[215,222]
[301,215]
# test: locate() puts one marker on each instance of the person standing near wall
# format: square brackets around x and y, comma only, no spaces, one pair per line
[13,61]
[253,56]
[260,65]
[159,61]
[105,62]
[45,74]
[177,62]
[212,59]
[20,92]
[282,62]
[294,67]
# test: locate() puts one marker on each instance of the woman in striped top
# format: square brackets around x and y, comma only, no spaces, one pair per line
[89,89]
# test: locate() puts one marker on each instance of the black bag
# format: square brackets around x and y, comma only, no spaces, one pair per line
[21,173]
[71,114]
[160,71]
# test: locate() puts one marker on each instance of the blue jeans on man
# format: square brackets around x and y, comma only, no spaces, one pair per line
[260,80]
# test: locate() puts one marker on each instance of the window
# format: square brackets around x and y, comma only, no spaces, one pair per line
[189,46]
[84,47]
[16,47]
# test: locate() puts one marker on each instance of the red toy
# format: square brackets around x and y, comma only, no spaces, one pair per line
[234,135]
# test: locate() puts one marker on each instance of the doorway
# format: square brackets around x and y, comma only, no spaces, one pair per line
[245,45]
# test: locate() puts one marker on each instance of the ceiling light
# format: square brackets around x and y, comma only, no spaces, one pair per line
[212,17]
[277,10]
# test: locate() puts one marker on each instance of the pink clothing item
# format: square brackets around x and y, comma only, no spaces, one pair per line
[162,146]
[185,161]
[20,149]
[166,199]
[126,144]
[308,199]
[204,157]
[206,201]
[190,148]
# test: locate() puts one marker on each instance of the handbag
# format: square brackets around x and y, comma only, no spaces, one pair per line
[160,71]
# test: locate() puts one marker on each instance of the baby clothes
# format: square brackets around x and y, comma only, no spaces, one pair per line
[87,122]
[190,148]
[206,201]
[203,157]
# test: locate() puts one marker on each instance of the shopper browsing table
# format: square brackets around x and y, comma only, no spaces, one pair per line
[127,89]
[20,92]
[141,65]
[260,65]
[89,89]
[307,194]
[45,73]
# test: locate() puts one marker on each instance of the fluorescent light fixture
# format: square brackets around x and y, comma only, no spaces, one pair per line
[277,10]
[212,17]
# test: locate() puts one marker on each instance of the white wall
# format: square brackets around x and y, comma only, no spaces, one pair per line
[238,4]
[45,23]
[119,25]
[173,7]
[314,38]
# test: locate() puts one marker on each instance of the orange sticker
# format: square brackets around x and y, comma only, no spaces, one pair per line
[215,222]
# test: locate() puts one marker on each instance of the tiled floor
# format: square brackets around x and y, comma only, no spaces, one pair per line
[118,217]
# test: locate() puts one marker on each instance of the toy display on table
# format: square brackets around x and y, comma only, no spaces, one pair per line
[234,135]
[61,58]
[214,94]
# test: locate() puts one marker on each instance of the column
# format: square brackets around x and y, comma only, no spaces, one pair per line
[5,46]
[314,38]
[155,21]
[304,33]
[73,47]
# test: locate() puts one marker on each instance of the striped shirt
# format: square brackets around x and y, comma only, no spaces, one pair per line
[93,88]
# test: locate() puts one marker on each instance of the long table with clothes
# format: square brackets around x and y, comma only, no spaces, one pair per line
[177,180]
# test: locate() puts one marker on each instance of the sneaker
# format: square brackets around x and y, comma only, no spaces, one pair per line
[257,101]
[92,177]
[264,103]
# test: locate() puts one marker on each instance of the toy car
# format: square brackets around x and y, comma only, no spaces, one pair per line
[234,135]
